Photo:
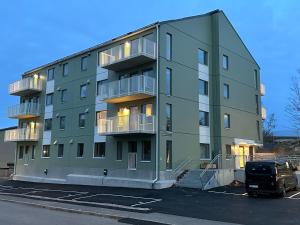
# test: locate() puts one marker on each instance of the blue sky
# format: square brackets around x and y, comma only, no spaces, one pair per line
[37,32]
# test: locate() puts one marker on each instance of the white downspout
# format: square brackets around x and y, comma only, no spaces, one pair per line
[157,113]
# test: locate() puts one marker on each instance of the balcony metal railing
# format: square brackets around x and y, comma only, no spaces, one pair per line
[128,87]
[263,113]
[21,134]
[262,89]
[24,110]
[140,123]
[25,85]
[141,46]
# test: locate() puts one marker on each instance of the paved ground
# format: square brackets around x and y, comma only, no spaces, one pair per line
[226,204]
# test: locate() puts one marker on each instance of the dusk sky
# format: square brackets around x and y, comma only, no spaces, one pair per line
[37,32]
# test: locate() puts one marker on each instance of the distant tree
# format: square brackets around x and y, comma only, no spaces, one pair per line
[268,128]
[293,107]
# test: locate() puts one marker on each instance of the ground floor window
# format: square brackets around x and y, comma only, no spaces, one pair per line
[119,150]
[99,150]
[80,150]
[204,151]
[21,152]
[46,151]
[228,151]
[33,152]
[146,151]
[169,155]
[60,151]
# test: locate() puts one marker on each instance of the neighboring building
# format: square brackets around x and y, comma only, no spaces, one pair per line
[133,110]
[7,153]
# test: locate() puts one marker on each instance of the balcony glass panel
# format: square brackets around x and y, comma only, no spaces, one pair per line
[21,134]
[26,85]
[24,110]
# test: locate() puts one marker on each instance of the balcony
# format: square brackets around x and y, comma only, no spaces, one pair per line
[26,86]
[24,111]
[129,54]
[128,89]
[262,89]
[21,134]
[130,124]
[263,113]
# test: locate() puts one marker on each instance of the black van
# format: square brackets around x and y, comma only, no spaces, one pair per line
[270,177]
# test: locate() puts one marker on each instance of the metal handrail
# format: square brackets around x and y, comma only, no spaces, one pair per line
[180,167]
[208,166]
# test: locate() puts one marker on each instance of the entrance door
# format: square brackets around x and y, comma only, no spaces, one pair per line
[132,155]
[242,156]
[26,156]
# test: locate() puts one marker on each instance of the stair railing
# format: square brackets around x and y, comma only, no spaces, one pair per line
[180,167]
[209,166]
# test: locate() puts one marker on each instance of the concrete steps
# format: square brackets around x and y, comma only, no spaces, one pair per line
[192,179]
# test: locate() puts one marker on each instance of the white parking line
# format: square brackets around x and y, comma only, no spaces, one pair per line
[227,193]
[122,196]
[144,203]
[294,195]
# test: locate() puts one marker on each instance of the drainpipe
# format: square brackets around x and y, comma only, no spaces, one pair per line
[157,113]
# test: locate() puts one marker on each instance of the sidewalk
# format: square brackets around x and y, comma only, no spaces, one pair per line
[111,213]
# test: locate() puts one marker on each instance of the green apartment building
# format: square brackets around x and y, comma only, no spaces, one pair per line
[135,110]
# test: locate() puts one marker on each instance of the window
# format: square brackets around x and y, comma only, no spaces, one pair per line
[169,155]
[48,124]
[225,62]
[50,74]
[84,61]
[146,151]
[257,104]
[169,117]
[33,152]
[60,151]
[258,129]
[203,87]
[65,69]
[83,91]
[203,118]
[62,122]
[101,115]
[119,150]
[147,109]
[202,57]
[168,46]
[80,149]
[21,152]
[226,91]
[102,88]
[63,96]
[99,150]
[256,79]
[49,99]
[169,81]
[46,151]
[228,150]
[204,151]
[226,121]
[82,120]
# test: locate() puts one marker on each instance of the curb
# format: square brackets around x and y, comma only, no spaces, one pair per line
[61,209]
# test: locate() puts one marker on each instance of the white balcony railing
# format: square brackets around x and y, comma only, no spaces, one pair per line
[263,113]
[141,46]
[26,84]
[21,134]
[129,86]
[24,110]
[262,89]
[139,123]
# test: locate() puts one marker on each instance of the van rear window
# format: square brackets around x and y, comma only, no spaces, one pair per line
[259,168]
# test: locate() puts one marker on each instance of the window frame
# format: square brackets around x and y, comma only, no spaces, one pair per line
[60,122]
[63,96]
[49,95]
[205,57]
[168,77]
[169,43]
[46,128]
[81,88]
[59,150]
[43,149]
[84,63]
[169,144]
[209,151]
[53,74]
[78,150]
[228,119]
[119,149]
[205,87]
[225,64]
[206,118]
[21,152]
[65,70]
[96,149]
[33,147]
[227,89]
[143,159]
[169,125]
[80,119]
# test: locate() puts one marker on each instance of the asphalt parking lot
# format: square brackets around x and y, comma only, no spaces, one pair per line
[226,204]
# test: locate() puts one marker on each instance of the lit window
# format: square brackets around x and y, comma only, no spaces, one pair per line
[46,151]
